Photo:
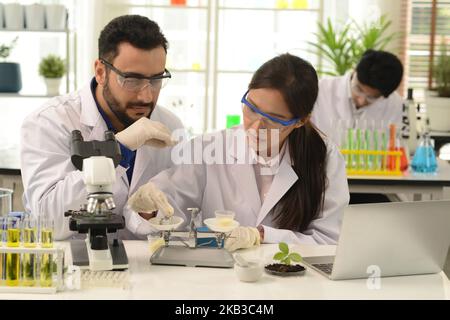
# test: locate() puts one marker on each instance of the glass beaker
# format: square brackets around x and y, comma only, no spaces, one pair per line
[424,159]
[46,241]
[29,239]
[224,217]
[12,259]
[5,201]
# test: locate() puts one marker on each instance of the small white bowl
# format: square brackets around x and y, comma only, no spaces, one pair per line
[156,223]
[252,273]
[214,225]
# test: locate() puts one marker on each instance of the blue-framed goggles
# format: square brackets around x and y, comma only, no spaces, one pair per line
[265,115]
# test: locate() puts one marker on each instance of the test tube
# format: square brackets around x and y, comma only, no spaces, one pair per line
[358,148]
[46,240]
[29,238]
[2,255]
[350,148]
[384,147]
[375,159]
[12,259]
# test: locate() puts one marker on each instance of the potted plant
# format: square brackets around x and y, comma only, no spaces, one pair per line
[438,100]
[10,76]
[343,48]
[284,267]
[52,68]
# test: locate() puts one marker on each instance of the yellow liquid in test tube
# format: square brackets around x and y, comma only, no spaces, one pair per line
[46,259]
[12,259]
[29,259]
[2,258]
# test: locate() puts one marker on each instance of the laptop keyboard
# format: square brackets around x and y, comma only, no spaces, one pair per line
[324,267]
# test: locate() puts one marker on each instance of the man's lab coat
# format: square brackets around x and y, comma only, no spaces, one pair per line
[53,185]
[334,103]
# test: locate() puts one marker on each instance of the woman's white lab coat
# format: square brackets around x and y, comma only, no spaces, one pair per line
[233,187]
[334,103]
[52,184]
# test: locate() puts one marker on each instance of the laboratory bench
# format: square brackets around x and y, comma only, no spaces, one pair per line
[416,186]
[179,283]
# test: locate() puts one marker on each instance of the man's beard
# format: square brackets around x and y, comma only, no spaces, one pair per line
[120,112]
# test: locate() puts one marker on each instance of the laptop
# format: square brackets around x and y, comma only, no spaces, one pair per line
[391,239]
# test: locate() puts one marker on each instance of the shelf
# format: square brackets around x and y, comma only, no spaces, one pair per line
[236,71]
[19,95]
[149,6]
[268,9]
[35,31]
[187,70]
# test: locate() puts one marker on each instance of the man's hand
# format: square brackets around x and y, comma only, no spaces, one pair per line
[145,131]
[242,237]
[148,198]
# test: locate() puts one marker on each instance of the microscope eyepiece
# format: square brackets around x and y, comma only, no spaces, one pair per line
[109,136]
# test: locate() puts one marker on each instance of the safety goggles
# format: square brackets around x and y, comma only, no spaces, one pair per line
[136,82]
[253,114]
[356,89]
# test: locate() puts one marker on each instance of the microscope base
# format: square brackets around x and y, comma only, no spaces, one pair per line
[193,257]
[80,255]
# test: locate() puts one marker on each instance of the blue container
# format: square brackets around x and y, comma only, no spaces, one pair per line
[424,160]
[207,242]
[10,77]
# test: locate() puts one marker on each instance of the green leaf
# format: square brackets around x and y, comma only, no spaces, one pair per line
[279,256]
[343,47]
[295,257]
[286,261]
[283,247]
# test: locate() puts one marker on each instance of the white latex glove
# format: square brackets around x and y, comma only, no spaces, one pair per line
[148,198]
[242,237]
[145,131]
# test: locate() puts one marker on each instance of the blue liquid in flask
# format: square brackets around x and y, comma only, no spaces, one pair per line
[424,159]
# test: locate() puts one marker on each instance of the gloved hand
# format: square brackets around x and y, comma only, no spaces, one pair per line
[148,198]
[242,237]
[145,131]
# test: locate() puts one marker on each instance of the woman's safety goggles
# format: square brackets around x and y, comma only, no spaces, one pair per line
[253,113]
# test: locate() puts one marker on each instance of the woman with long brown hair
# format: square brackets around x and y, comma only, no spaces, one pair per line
[288,182]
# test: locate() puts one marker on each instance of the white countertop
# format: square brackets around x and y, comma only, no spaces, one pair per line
[172,283]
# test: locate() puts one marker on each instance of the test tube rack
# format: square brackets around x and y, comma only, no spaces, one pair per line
[387,162]
[57,285]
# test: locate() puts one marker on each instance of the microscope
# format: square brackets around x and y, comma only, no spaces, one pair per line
[97,161]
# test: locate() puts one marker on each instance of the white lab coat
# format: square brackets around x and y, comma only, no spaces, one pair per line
[334,103]
[233,187]
[52,184]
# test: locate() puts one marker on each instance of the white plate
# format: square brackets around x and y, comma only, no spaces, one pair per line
[156,223]
[212,224]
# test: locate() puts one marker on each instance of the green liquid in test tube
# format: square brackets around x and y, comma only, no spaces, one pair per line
[358,147]
[350,148]
[375,163]
[384,149]
[368,159]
